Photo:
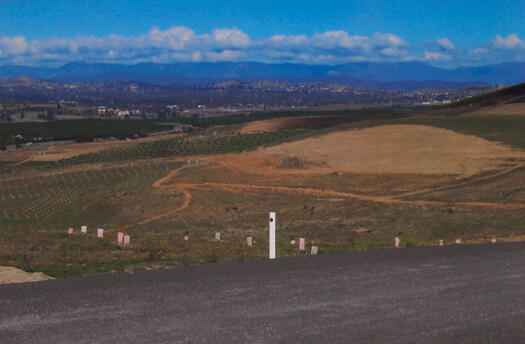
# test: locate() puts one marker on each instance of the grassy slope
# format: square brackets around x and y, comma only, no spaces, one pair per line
[492,98]
[34,213]
[508,129]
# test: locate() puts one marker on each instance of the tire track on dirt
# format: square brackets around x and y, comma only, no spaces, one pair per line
[461,184]
[329,193]
[159,183]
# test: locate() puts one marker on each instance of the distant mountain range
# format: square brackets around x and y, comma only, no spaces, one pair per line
[400,76]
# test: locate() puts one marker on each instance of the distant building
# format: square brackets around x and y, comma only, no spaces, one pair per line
[122,113]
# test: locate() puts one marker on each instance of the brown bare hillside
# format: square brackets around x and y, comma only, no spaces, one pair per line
[399,149]
[311,122]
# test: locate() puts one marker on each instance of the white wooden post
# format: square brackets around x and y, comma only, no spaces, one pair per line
[272,235]
[83,229]
[397,241]
[249,241]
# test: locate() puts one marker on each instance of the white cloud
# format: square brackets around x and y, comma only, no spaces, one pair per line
[388,40]
[225,55]
[175,38]
[181,43]
[512,41]
[284,42]
[232,38]
[436,56]
[445,44]
[339,40]
[13,45]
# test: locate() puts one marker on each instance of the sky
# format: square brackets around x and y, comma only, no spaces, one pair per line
[440,32]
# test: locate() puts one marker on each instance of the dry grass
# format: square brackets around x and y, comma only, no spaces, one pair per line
[400,149]
[359,190]
[268,125]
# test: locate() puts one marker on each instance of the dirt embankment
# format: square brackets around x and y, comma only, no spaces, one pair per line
[13,275]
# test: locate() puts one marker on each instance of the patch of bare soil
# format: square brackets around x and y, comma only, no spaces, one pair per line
[308,122]
[13,275]
[399,149]
[269,125]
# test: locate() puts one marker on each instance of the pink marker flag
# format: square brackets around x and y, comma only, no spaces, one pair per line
[127,239]
[397,241]
[70,230]
[100,233]
[493,240]
[83,229]
[440,243]
[120,238]
[186,238]
[302,244]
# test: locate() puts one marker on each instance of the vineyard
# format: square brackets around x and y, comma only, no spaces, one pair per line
[82,130]
[183,146]
[56,201]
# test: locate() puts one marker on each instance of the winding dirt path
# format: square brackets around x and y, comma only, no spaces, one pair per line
[464,183]
[159,183]
[21,162]
[187,200]
[394,199]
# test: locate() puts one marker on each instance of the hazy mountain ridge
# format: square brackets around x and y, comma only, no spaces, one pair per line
[403,75]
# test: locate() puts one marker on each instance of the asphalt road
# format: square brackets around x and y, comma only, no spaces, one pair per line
[451,294]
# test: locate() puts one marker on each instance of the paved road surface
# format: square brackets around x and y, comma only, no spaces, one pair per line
[454,294]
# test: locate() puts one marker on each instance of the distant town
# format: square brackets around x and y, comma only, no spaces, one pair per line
[27,99]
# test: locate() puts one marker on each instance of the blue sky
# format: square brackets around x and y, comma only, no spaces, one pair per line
[444,32]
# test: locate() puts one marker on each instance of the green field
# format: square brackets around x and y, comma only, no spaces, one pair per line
[82,130]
